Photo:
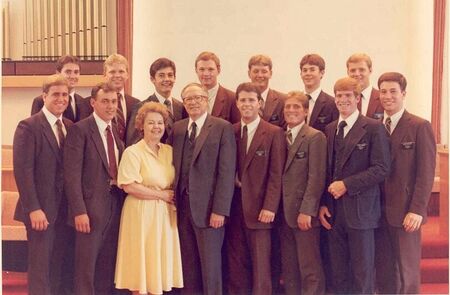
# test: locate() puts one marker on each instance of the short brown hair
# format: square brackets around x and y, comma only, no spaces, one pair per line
[358,57]
[393,77]
[207,55]
[101,86]
[347,84]
[249,87]
[149,107]
[193,84]
[313,59]
[260,59]
[162,63]
[54,80]
[115,58]
[66,59]
[300,97]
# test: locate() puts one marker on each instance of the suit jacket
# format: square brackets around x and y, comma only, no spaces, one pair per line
[38,168]
[134,135]
[365,162]
[262,171]
[38,103]
[225,106]
[304,175]
[413,160]
[324,112]
[87,180]
[212,171]
[375,109]
[274,108]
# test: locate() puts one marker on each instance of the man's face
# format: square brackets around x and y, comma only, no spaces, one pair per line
[164,80]
[294,113]
[311,76]
[361,72]
[346,102]
[260,75]
[57,99]
[391,97]
[195,101]
[116,75]
[248,104]
[71,72]
[105,105]
[207,73]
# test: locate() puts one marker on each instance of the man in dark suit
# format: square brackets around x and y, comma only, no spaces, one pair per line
[115,70]
[91,155]
[163,75]
[221,101]
[260,72]
[358,161]
[322,109]
[42,206]
[204,153]
[69,67]
[303,184]
[261,155]
[407,189]
[359,67]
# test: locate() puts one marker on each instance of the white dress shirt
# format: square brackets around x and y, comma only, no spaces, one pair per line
[251,129]
[52,121]
[102,129]
[199,122]
[350,122]
[394,118]
[212,93]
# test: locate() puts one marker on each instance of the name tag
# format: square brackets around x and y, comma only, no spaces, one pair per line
[322,119]
[361,146]
[260,153]
[274,118]
[300,155]
[409,145]
[378,116]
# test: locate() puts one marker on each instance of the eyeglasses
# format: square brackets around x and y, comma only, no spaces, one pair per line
[194,98]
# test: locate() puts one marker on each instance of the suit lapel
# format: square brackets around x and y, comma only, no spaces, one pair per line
[48,132]
[177,110]
[270,104]
[353,137]
[200,140]
[96,138]
[399,133]
[218,103]
[331,136]
[292,150]
[318,106]
[258,138]
[373,101]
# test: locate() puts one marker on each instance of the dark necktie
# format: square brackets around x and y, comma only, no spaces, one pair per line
[360,103]
[388,124]
[340,134]
[193,132]
[61,136]
[289,137]
[70,114]
[120,117]
[111,153]
[261,109]
[171,118]
[243,150]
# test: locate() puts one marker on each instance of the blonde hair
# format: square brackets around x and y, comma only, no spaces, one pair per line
[115,58]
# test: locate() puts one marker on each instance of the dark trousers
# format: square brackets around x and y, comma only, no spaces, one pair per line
[351,256]
[200,254]
[301,261]
[50,259]
[95,253]
[386,271]
[248,256]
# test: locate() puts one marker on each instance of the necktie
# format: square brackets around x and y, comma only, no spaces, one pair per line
[120,117]
[111,153]
[340,134]
[171,118]
[261,109]
[193,132]
[388,124]
[360,103]
[69,113]
[243,150]
[289,137]
[61,136]
[168,104]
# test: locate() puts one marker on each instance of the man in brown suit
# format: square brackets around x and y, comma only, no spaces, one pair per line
[221,101]
[407,189]
[303,185]
[260,72]
[261,155]
[359,67]
[91,156]
[42,207]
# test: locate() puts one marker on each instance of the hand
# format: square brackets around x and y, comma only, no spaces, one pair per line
[266,216]
[216,220]
[38,220]
[324,213]
[82,223]
[167,196]
[304,221]
[337,189]
[412,222]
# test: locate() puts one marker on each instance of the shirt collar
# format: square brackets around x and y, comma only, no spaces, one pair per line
[394,118]
[315,94]
[350,119]
[213,92]
[252,125]
[367,92]
[100,123]
[161,98]
[199,122]
[50,117]
[296,130]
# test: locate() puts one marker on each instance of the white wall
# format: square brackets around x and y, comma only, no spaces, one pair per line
[398,35]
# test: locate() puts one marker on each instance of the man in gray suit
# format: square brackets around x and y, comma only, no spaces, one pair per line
[303,184]
[204,153]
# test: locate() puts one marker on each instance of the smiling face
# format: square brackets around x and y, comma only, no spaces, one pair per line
[164,80]
[57,99]
[361,72]
[346,102]
[260,75]
[392,97]
[294,112]
[116,75]
[207,72]
[71,72]
[249,105]
[105,105]
[153,127]
[195,100]
[311,76]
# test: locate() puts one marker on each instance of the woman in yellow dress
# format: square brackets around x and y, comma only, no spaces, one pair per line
[148,254]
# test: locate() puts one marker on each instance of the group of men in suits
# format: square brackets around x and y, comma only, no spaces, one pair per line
[250,166]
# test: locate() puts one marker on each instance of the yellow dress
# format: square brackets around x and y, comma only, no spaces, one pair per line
[148,253]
